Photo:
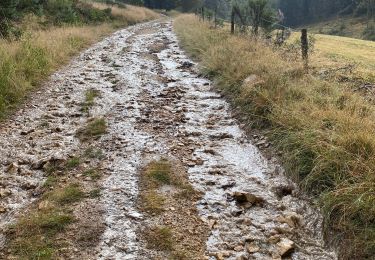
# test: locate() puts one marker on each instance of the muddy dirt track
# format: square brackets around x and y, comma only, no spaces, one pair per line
[156,106]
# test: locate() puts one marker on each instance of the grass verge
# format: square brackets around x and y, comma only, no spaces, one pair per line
[26,63]
[323,130]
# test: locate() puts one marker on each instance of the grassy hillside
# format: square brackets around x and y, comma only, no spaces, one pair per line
[347,26]
[26,62]
[324,130]
[348,59]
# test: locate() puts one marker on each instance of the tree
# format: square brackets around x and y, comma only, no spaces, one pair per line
[189,5]
[260,15]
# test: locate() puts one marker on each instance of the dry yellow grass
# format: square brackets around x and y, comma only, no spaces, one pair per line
[346,49]
[344,26]
[59,42]
[324,130]
[336,51]
[132,14]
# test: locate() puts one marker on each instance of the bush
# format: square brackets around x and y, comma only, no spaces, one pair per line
[90,14]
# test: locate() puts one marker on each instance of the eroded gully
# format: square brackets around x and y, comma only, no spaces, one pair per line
[156,105]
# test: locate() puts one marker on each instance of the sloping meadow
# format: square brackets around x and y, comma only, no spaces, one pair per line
[324,131]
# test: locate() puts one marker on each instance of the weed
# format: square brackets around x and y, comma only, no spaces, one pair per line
[92,173]
[73,163]
[160,238]
[90,96]
[66,195]
[95,193]
[93,153]
[44,124]
[50,182]
[152,202]
[32,237]
[93,130]
[159,172]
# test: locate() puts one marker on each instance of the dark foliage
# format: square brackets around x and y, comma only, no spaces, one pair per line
[58,12]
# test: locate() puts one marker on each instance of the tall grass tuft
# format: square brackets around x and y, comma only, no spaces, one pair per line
[324,131]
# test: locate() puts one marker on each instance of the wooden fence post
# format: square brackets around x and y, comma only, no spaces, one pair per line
[232,22]
[305,49]
[203,13]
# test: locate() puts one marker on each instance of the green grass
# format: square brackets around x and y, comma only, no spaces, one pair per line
[50,182]
[90,96]
[93,173]
[33,236]
[73,163]
[323,129]
[160,172]
[66,195]
[93,130]
[95,193]
[347,26]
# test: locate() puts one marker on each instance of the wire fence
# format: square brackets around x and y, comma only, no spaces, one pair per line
[280,39]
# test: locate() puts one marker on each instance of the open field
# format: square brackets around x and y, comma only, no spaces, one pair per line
[336,51]
[346,26]
[322,129]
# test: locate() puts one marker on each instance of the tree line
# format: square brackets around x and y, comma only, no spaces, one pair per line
[297,12]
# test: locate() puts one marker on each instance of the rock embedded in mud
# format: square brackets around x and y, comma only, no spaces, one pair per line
[238,248]
[285,247]
[29,185]
[12,168]
[283,190]
[44,163]
[245,197]
[252,248]
[4,193]
[274,239]
[3,209]
[221,136]
[291,218]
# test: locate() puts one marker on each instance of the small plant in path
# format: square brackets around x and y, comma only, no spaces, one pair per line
[93,130]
